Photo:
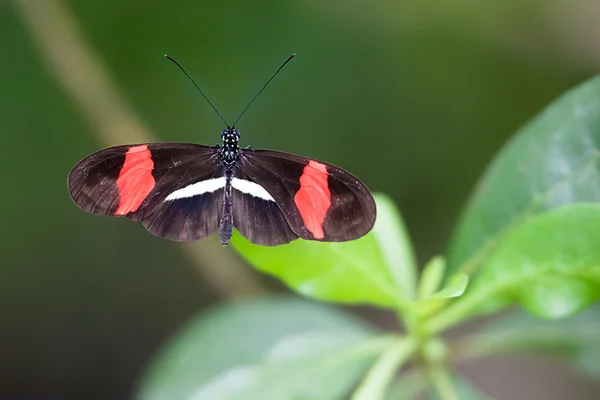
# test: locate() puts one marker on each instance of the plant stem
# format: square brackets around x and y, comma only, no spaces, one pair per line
[439,377]
[379,377]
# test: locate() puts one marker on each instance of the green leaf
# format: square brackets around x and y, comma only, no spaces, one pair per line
[408,386]
[376,382]
[236,334]
[312,366]
[550,265]
[574,339]
[431,277]
[456,287]
[552,161]
[395,245]
[377,269]
[431,300]
[463,390]
[411,385]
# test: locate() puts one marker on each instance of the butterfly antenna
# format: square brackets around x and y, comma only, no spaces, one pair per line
[203,95]
[263,88]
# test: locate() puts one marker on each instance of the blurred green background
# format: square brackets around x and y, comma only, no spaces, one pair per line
[413,97]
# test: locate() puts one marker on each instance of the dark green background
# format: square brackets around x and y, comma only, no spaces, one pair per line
[413,98]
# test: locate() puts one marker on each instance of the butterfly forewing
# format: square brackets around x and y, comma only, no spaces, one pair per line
[135,181]
[319,201]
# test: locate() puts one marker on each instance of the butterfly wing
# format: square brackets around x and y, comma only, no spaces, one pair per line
[256,215]
[319,201]
[143,183]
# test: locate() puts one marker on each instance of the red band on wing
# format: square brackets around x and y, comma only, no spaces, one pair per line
[314,199]
[135,180]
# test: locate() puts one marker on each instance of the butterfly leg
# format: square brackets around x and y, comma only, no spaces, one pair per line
[226,225]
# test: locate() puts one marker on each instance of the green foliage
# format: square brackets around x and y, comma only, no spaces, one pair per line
[551,162]
[316,365]
[260,338]
[550,265]
[573,339]
[528,237]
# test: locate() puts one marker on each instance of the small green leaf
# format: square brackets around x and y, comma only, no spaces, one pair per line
[315,366]
[552,161]
[550,265]
[236,334]
[574,339]
[432,301]
[456,287]
[431,277]
[377,269]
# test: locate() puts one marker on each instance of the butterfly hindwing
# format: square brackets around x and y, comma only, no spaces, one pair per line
[135,181]
[319,201]
[186,219]
[256,215]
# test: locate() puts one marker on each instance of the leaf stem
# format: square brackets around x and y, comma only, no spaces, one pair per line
[439,377]
[379,377]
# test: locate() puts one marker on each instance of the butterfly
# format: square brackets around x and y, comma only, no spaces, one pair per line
[184,192]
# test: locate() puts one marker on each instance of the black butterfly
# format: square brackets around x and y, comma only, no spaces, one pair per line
[184,192]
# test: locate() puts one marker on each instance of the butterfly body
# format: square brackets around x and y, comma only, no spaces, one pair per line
[184,192]
[229,156]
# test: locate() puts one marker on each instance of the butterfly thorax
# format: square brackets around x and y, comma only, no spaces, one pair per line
[230,148]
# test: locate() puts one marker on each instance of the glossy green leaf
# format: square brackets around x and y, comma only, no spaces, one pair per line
[552,161]
[377,269]
[236,334]
[550,265]
[311,366]
[575,339]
